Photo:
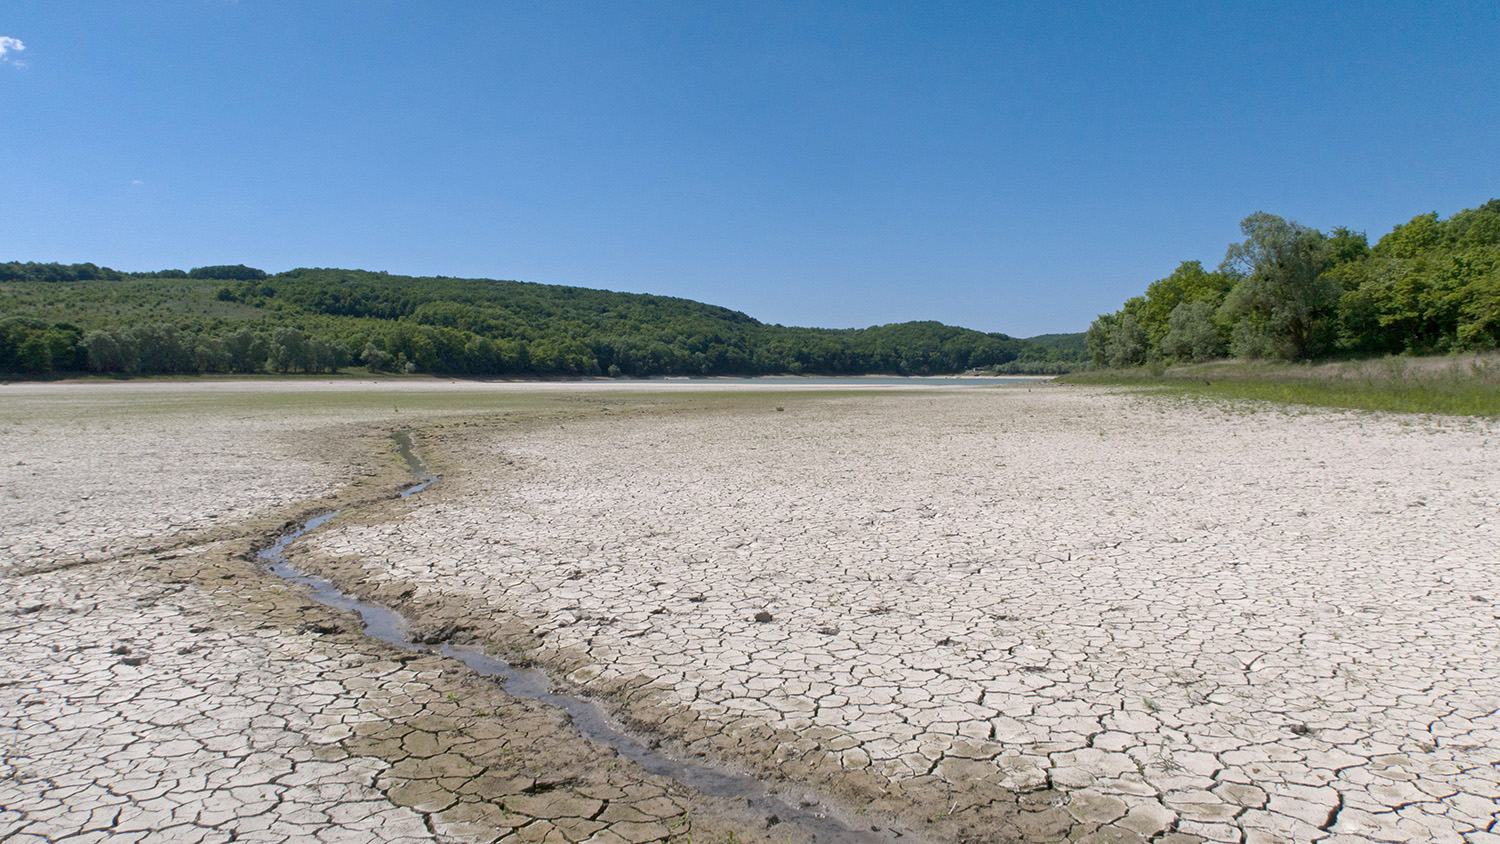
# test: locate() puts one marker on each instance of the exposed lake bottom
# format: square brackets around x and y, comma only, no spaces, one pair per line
[810,817]
[986,614]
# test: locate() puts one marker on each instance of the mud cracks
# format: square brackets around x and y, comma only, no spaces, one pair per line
[160,685]
[187,699]
[992,615]
[1053,616]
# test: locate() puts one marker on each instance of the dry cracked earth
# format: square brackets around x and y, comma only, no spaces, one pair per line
[972,614]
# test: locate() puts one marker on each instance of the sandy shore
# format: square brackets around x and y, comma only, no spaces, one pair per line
[1047,614]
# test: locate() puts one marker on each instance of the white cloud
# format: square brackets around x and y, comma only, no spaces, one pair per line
[8,45]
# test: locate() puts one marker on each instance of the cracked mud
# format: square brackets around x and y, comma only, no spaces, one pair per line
[991,614]
[156,684]
[1239,626]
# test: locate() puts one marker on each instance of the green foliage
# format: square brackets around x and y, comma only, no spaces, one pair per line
[374,358]
[235,319]
[1047,354]
[245,350]
[34,347]
[1128,344]
[1188,283]
[1192,334]
[1428,286]
[30,271]
[1139,331]
[1282,304]
[1119,340]
[1060,342]
[289,351]
[1288,292]
[238,271]
[1345,246]
[1098,336]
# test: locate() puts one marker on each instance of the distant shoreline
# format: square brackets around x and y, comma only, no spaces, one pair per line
[431,383]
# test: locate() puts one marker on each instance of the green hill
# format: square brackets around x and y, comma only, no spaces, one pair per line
[1062,342]
[80,318]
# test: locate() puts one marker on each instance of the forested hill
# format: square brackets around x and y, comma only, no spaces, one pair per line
[1295,293]
[76,318]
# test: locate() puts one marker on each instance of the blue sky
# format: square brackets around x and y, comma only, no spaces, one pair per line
[1006,167]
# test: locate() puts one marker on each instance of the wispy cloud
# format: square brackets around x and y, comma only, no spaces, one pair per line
[10,45]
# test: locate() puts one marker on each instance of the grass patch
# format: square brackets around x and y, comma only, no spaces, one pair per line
[1458,385]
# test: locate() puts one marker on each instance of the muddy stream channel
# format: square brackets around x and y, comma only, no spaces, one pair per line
[810,814]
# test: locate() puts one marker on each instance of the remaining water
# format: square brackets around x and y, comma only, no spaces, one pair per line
[810,816]
[414,464]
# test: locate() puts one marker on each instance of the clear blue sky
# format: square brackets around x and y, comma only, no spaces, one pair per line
[1007,167]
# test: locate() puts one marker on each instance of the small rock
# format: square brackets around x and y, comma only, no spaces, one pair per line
[763,617]
[322,628]
[434,635]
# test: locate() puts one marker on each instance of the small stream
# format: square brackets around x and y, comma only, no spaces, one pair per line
[813,817]
[414,465]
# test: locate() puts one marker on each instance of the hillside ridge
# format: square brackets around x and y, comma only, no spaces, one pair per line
[77,318]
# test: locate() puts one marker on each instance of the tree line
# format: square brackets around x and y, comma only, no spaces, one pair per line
[1291,292]
[54,272]
[72,318]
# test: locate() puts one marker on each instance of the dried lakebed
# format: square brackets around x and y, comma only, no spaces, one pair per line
[1100,610]
[995,614]
[809,818]
[157,684]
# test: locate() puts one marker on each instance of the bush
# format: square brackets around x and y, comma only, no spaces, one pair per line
[237,272]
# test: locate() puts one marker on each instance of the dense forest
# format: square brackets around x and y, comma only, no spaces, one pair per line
[85,318]
[1290,292]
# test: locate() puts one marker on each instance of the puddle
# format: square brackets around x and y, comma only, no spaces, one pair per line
[414,465]
[793,812]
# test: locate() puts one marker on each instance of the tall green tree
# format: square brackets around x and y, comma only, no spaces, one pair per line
[1193,334]
[288,350]
[1188,283]
[1282,304]
[1428,286]
[110,351]
[247,351]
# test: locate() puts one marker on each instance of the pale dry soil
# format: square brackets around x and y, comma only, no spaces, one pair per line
[995,614]
[1119,617]
[158,685]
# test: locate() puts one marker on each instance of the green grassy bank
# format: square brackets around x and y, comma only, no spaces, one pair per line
[1458,385]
